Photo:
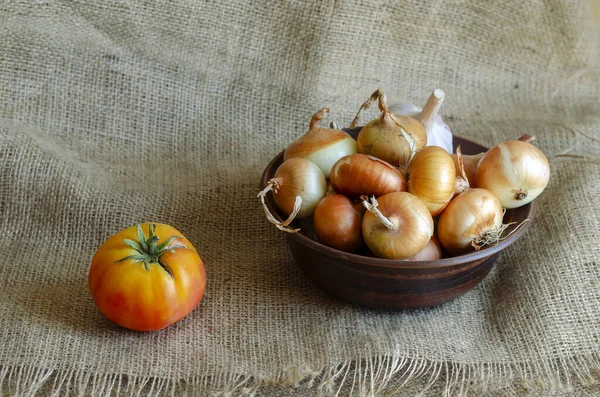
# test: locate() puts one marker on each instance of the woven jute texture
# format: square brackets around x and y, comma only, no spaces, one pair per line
[118,112]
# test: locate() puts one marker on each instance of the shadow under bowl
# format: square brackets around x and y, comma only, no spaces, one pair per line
[368,281]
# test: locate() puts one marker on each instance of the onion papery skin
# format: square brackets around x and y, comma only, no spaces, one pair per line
[432,177]
[413,223]
[322,146]
[298,177]
[338,223]
[387,138]
[431,252]
[470,163]
[359,174]
[469,215]
[515,172]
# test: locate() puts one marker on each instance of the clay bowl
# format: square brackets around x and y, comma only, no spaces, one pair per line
[368,281]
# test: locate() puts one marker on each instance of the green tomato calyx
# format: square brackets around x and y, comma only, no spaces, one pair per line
[149,250]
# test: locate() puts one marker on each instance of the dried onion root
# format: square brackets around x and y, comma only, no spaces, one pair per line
[298,185]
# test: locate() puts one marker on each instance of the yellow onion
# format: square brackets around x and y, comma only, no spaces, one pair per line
[472,220]
[397,225]
[359,174]
[323,146]
[431,252]
[298,185]
[516,172]
[338,223]
[391,138]
[431,177]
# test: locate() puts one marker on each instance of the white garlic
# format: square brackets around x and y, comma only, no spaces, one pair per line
[438,132]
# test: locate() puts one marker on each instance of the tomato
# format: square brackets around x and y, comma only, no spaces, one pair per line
[147,282]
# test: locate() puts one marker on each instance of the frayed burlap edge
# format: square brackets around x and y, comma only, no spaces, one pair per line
[374,376]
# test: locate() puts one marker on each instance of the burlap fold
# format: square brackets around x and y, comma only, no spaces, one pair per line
[118,112]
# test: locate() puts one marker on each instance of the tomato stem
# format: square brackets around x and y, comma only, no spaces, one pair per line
[148,250]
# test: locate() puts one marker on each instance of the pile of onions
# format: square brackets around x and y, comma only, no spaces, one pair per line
[385,197]
[515,171]
[391,138]
[472,220]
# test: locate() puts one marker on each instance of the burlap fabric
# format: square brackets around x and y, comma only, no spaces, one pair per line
[118,112]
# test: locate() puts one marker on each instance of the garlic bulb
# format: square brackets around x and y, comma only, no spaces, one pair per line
[438,132]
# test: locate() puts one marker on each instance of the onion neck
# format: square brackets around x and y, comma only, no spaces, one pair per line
[461,166]
[386,118]
[317,118]
[383,102]
[372,208]
[461,185]
[376,96]
[412,143]
[526,138]
[273,184]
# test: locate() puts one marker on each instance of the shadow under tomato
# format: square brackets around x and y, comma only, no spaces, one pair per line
[68,305]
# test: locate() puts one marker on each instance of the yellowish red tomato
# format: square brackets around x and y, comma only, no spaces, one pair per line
[147,277]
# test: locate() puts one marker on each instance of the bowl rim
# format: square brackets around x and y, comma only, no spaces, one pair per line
[401,263]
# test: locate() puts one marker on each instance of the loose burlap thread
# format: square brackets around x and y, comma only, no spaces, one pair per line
[119,112]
